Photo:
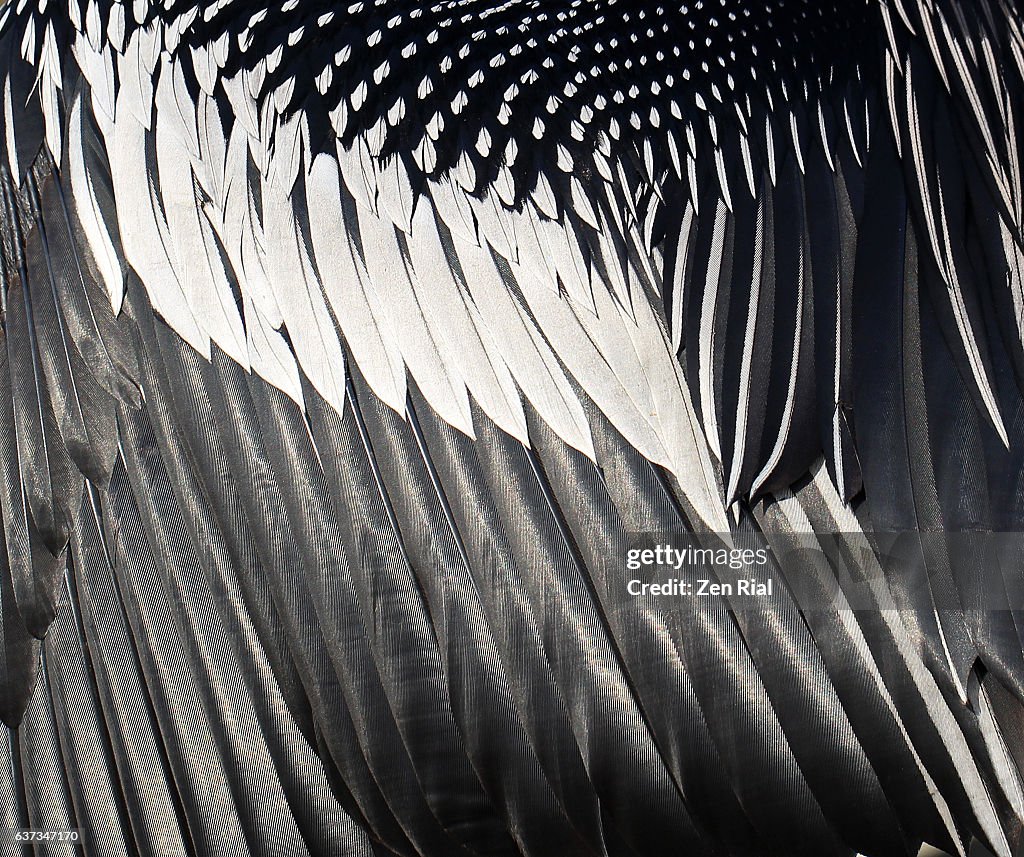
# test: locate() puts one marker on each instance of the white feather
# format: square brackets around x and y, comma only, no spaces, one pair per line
[615,265]
[242,103]
[581,203]
[390,282]
[210,168]
[204,66]
[175,106]
[98,69]
[544,197]
[359,171]
[789,408]
[371,342]
[10,131]
[582,357]
[564,251]
[192,247]
[143,232]
[706,336]
[50,102]
[745,394]
[293,278]
[241,232]
[523,348]
[494,225]
[534,256]
[269,354]
[452,327]
[136,92]
[289,142]
[395,193]
[96,231]
[94,25]
[115,27]
[454,209]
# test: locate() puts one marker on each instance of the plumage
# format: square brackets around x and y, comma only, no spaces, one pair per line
[353,352]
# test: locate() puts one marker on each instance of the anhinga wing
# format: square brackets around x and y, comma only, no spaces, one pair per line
[347,351]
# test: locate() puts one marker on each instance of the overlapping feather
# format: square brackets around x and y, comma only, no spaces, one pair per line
[334,543]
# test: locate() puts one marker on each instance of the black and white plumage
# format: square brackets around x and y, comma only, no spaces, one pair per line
[347,346]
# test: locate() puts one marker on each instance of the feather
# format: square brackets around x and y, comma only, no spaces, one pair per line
[391,285]
[270,355]
[396,195]
[94,202]
[193,249]
[311,328]
[561,245]
[102,339]
[701,297]
[790,396]
[454,209]
[910,787]
[46,469]
[751,298]
[145,781]
[33,571]
[453,327]
[48,85]
[343,276]
[351,357]
[832,230]
[894,449]
[174,105]
[145,241]
[330,618]
[240,228]
[20,651]
[98,70]
[268,698]
[47,795]
[931,724]
[83,411]
[80,731]
[938,205]
[211,169]
[386,581]
[22,118]
[359,172]
[515,336]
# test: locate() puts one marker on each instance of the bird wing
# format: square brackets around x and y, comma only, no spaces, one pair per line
[324,443]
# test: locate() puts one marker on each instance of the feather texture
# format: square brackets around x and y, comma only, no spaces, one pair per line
[351,354]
